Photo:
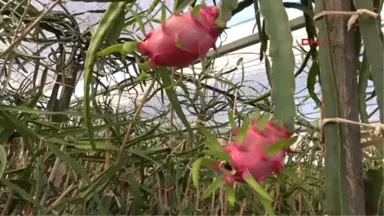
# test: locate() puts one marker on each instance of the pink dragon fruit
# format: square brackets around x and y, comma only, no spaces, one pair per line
[251,156]
[182,38]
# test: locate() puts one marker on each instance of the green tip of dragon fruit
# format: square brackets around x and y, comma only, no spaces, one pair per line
[144,66]
[124,49]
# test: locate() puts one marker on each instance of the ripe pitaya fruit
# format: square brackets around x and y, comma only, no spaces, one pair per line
[182,38]
[179,41]
[251,154]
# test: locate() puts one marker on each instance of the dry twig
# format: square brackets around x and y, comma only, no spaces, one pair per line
[377,130]
[354,15]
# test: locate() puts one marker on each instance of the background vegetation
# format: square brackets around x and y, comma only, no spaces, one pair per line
[143,157]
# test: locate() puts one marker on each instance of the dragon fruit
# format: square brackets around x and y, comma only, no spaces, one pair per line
[179,41]
[251,156]
[182,38]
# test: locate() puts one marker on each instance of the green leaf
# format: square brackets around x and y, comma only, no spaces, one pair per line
[231,197]
[180,5]
[256,114]
[207,162]
[267,206]
[219,154]
[281,144]
[42,112]
[172,96]
[163,12]
[232,120]
[196,172]
[243,130]
[135,189]
[178,42]
[6,131]
[75,166]
[311,82]
[143,156]
[104,178]
[110,16]
[99,145]
[17,124]
[196,11]
[23,194]
[263,120]
[257,187]
[70,162]
[116,48]
[106,202]
[142,76]
[138,19]
[212,187]
[212,141]
[3,160]
[152,6]
[127,47]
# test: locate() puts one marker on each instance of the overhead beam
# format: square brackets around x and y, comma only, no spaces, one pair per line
[252,39]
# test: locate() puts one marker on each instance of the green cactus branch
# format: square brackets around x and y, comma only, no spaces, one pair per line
[283,61]
[370,31]
[338,73]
